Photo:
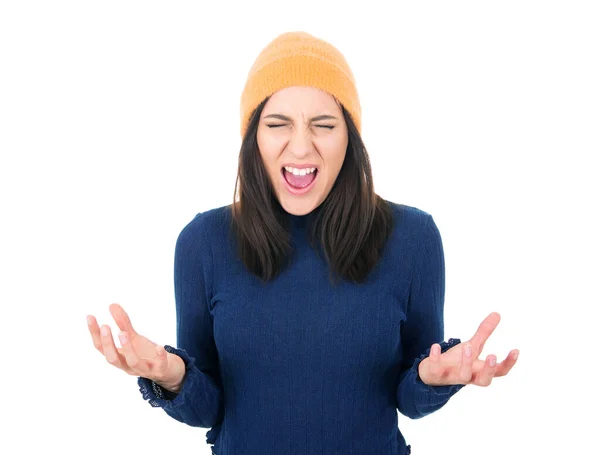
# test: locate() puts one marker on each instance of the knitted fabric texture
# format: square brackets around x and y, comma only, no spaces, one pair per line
[299,58]
[298,365]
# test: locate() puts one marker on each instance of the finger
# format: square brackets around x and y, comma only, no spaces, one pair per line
[484,330]
[465,372]
[485,376]
[108,346]
[505,366]
[95,332]
[121,318]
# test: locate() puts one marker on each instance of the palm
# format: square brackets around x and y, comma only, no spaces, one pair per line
[456,366]
[452,357]
[145,348]
[141,355]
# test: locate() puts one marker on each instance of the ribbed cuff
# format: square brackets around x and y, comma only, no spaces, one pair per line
[159,396]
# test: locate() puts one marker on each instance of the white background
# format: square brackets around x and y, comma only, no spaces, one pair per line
[119,121]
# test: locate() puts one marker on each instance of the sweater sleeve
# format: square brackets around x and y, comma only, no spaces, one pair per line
[199,403]
[424,325]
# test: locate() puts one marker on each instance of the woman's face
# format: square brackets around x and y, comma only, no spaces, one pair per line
[302,127]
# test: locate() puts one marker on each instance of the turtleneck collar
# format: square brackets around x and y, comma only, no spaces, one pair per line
[301,221]
[298,221]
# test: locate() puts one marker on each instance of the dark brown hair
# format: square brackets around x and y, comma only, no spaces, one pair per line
[352,224]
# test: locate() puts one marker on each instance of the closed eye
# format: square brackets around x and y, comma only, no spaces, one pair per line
[273,125]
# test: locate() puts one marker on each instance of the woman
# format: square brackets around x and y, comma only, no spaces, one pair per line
[310,310]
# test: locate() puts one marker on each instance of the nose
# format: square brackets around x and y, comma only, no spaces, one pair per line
[300,144]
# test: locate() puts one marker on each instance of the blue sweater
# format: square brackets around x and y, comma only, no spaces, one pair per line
[297,366]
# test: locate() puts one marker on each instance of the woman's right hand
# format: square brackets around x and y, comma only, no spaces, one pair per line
[138,356]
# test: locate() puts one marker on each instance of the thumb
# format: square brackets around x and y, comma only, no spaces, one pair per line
[162,363]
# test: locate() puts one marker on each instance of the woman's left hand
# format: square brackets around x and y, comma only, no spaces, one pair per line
[461,365]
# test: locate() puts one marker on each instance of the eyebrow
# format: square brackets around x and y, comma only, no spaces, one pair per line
[312,119]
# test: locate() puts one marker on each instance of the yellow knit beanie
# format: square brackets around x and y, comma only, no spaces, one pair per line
[298,58]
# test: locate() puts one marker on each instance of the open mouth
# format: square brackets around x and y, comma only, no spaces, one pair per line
[298,184]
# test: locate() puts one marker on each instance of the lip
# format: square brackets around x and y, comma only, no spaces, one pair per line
[296,191]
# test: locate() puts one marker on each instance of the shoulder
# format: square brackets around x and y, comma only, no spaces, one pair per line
[414,228]
[205,225]
[418,233]
[410,218]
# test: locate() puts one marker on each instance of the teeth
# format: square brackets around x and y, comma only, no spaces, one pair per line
[296,171]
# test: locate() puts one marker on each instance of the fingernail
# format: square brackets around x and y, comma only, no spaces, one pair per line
[123,337]
[468,350]
[89,320]
[516,355]
[492,362]
[104,330]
